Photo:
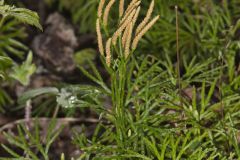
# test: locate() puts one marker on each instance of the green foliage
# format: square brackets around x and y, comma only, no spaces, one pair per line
[144,127]
[32,144]
[21,14]
[23,72]
[82,57]
[143,114]
[5,99]
[11,34]
[5,63]
[10,29]
[204,28]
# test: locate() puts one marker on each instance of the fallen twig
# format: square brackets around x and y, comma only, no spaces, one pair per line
[44,120]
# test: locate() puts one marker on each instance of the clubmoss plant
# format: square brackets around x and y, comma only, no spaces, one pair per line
[119,48]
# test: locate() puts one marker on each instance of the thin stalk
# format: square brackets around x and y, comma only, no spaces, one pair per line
[178,57]
[221,88]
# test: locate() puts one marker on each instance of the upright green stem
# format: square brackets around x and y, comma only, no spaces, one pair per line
[118,98]
[178,57]
[119,90]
